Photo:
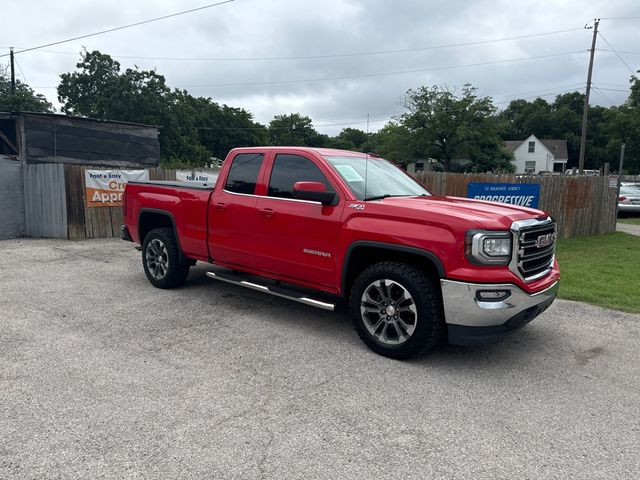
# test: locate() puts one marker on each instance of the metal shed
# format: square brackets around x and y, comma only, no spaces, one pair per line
[37,151]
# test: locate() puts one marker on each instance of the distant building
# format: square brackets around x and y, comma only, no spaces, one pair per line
[534,155]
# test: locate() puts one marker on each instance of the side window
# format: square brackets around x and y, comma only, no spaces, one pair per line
[289,169]
[243,174]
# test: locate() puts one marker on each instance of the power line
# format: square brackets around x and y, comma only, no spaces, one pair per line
[21,72]
[121,27]
[626,52]
[617,54]
[538,96]
[379,74]
[365,75]
[613,89]
[619,18]
[614,84]
[336,55]
[541,90]
[602,94]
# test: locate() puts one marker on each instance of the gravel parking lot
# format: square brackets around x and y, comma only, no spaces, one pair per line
[104,376]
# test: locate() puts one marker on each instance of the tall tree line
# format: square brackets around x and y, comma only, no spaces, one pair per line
[454,129]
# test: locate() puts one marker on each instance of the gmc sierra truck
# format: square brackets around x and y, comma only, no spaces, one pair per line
[318,225]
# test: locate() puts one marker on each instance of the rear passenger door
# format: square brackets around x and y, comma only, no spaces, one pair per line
[232,213]
[297,239]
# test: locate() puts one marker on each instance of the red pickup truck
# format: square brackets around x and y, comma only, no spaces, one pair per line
[318,225]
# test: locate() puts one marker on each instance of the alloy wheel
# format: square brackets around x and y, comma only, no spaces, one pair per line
[388,311]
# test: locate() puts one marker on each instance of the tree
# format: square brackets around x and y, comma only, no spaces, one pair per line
[394,142]
[445,126]
[623,126]
[23,100]
[192,129]
[295,130]
[353,136]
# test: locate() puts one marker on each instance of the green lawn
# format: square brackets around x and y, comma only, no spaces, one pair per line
[602,270]
[631,220]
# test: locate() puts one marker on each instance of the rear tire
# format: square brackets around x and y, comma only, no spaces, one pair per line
[163,263]
[397,309]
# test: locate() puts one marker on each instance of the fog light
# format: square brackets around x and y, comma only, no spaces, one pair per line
[492,295]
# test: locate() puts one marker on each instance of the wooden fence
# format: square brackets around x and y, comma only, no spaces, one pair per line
[581,205]
[95,222]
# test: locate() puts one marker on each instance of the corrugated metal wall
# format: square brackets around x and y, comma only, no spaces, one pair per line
[45,201]
[11,203]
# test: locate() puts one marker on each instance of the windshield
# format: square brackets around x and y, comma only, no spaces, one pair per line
[382,178]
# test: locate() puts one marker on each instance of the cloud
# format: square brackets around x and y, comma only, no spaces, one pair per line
[289,28]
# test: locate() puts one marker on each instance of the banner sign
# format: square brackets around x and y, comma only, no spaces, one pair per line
[104,188]
[522,194]
[200,177]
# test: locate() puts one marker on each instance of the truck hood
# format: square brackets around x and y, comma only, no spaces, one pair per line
[490,215]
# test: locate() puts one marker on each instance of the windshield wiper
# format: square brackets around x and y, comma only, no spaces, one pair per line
[386,195]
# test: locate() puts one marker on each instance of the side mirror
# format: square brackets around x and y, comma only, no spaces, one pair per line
[315,192]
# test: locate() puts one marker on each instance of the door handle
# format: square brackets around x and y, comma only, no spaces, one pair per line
[267,212]
[220,206]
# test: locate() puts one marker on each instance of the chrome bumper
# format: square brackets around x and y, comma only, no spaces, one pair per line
[464,306]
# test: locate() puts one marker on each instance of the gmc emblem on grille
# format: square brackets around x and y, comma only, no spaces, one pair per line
[546,240]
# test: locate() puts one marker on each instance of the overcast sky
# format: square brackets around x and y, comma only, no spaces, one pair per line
[238,33]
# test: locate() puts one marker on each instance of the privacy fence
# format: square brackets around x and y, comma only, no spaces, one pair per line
[56,206]
[581,205]
[95,222]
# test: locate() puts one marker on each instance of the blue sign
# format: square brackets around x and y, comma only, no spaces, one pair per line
[522,194]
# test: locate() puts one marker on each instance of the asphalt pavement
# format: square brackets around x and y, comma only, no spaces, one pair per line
[104,376]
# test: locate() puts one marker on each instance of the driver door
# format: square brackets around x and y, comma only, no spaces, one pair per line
[298,238]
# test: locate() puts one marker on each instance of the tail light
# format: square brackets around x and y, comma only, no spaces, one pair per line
[622,198]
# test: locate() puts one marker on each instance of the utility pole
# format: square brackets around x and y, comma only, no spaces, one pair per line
[585,113]
[13,72]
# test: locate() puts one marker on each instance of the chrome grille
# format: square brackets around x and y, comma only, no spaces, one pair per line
[533,258]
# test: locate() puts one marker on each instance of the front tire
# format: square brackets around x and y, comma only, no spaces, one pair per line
[397,309]
[163,264]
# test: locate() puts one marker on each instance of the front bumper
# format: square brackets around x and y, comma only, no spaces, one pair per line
[472,320]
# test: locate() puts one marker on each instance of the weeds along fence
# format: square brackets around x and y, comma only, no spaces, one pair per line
[581,205]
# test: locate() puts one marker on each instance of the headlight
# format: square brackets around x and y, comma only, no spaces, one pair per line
[489,248]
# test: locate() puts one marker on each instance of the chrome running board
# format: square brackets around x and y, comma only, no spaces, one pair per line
[272,290]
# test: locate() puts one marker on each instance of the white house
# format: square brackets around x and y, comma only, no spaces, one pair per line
[534,155]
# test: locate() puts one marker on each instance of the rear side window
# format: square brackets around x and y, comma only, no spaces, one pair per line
[289,169]
[243,174]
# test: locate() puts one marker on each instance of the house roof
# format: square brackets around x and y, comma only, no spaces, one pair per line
[555,146]
[511,145]
[14,115]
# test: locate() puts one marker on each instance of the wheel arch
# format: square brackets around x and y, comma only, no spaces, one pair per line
[151,218]
[362,254]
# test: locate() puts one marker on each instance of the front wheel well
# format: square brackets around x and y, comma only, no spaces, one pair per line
[361,257]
